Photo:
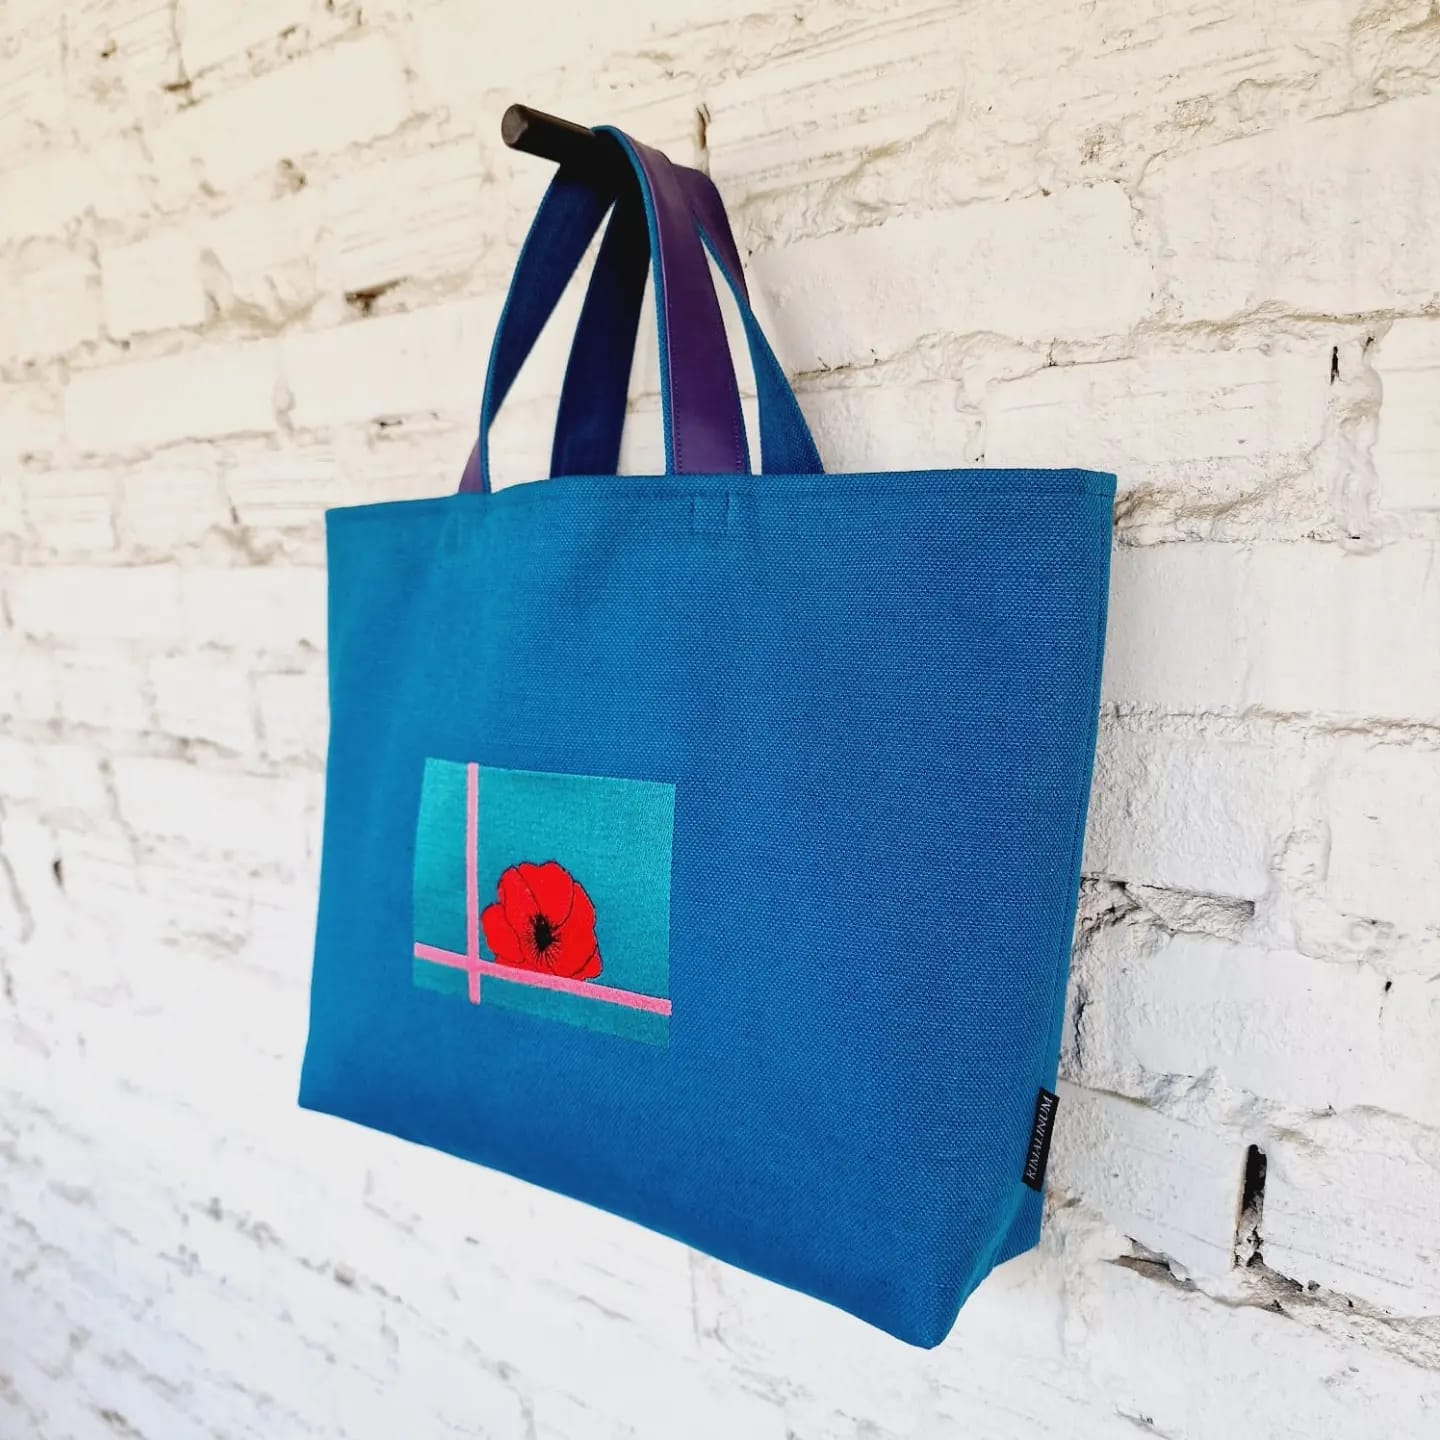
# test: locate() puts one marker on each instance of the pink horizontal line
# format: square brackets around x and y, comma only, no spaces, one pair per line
[656,1004]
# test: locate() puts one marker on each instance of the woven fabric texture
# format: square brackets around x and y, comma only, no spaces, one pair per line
[875,699]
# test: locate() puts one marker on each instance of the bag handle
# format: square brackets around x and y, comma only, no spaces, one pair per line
[695,368]
[625,258]
[704,432]
[592,402]
[591,416]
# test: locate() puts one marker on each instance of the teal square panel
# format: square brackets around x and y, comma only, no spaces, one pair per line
[547,894]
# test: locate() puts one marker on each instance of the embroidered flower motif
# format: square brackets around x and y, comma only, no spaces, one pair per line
[543,920]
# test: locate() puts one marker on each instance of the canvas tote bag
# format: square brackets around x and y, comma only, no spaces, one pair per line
[705,845]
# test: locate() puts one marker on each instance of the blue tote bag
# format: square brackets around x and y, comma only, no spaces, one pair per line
[705,845]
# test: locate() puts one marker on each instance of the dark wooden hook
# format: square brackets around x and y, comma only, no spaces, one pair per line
[562,141]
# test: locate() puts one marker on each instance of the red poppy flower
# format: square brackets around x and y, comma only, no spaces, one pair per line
[543,920]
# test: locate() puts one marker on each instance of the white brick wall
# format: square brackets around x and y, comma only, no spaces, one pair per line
[1194,244]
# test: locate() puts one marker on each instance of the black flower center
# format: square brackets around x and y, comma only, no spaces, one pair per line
[544,933]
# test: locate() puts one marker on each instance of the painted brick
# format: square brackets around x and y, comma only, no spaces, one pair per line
[293,715]
[1352,1204]
[211,31]
[807,114]
[32,72]
[104,689]
[1220,425]
[1002,1375]
[343,95]
[1286,1027]
[29,419]
[1188,812]
[1383,806]
[163,508]
[421,457]
[117,603]
[27,679]
[115,47]
[36,903]
[1407,452]
[455,72]
[858,428]
[1166,1357]
[428,360]
[46,197]
[170,799]
[42,198]
[1321,629]
[52,306]
[21,766]
[153,284]
[60,779]
[97,877]
[1172,1185]
[441,229]
[1279,218]
[211,391]
[1004,267]
[74,788]
[204,698]
[70,511]
[258,260]
[262,607]
[14,531]
[862,117]
[286,491]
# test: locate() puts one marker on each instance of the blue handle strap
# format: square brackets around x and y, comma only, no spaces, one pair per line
[564,225]
[569,214]
[597,378]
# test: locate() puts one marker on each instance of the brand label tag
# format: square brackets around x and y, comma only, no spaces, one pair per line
[1037,1152]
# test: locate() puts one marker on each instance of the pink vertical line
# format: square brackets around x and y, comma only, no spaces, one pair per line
[472,878]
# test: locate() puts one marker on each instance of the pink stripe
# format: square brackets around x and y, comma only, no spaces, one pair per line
[656,1004]
[472,866]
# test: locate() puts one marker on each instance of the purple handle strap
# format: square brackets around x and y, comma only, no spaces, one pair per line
[704,429]
[592,403]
